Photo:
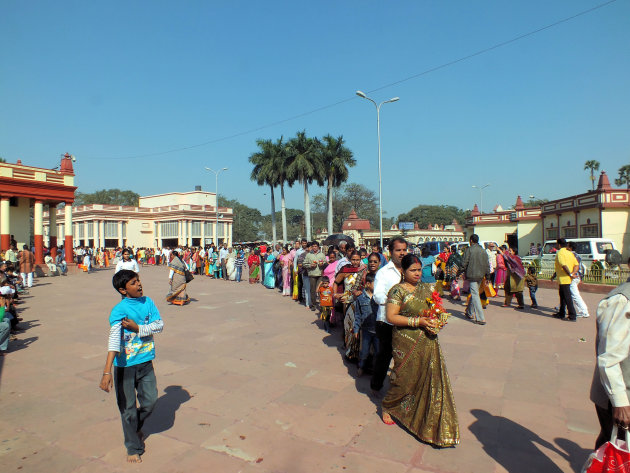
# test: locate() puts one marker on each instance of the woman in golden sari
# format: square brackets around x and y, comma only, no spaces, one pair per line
[177,295]
[420,395]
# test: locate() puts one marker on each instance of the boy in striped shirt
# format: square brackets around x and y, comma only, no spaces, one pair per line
[240,262]
[131,349]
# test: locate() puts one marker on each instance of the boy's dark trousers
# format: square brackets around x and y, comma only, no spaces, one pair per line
[532,295]
[383,355]
[129,380]
[314,281]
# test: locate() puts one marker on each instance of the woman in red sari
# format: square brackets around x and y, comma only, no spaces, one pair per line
[254,266]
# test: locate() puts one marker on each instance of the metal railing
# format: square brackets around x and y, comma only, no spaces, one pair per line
[596,274]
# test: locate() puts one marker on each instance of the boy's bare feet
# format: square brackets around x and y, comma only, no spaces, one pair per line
[134,458]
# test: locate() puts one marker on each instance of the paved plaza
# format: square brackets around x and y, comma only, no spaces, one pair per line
[248,382]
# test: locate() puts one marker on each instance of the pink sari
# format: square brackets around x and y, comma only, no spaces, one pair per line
[286,273]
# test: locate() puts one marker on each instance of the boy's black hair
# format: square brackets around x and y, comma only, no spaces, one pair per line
[122,277]
[370,277]
[531,270]
[325,279]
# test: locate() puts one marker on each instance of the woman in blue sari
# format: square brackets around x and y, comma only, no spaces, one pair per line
[270,278]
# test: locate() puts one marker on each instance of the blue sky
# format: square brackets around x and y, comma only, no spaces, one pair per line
[114,82]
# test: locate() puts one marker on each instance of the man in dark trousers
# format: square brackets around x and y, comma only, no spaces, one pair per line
[610,388]
[386,278]
[476,266]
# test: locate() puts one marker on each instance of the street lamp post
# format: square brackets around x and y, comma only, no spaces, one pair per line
[378,134]
[216,175]
[481,188]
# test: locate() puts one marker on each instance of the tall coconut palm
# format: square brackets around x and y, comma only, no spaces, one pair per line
[593,165]
[305,166]
[264,173]
[281,159]
[336,159]
[624,176]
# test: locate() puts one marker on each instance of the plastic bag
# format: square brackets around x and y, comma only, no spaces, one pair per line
[613,456]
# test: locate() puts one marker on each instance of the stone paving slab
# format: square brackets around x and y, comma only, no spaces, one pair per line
[248,382]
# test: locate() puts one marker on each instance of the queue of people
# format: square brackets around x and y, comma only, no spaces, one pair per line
[384,311]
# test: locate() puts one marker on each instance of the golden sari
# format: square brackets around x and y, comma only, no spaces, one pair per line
[420,396]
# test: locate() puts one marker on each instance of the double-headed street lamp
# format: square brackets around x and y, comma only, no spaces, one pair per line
[481,188]
[378,133]
[216,174]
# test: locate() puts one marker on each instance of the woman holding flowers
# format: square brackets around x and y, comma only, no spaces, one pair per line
[420,396]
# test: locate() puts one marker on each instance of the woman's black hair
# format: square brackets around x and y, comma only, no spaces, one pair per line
[376,255]
[425,251]
[408,260]
[122,277]
[331,250]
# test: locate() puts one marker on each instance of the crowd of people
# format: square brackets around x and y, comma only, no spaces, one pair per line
[386,306]
[16,278]
[383,309]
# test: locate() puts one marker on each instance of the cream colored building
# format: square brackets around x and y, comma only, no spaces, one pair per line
[173,219]
[602,213]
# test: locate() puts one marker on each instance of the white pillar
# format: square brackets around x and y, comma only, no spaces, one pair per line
[203,233]
[120,237]
[101,232]
[95,235]
[5,213]
[67,230]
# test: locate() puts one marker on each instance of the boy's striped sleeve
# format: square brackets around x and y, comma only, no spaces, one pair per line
[114,337]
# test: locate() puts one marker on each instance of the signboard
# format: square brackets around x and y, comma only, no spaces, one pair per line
[405,225]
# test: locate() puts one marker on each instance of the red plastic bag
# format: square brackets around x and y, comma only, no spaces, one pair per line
[613,456]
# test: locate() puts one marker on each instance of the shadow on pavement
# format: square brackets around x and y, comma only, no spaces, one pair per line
[574,454]
[163,417]
[21,343]
[515,447]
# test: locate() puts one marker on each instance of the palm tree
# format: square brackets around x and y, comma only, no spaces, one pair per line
[264,173]
[593,166]
[305,166]
[281,159]
[337,158]
[624,176]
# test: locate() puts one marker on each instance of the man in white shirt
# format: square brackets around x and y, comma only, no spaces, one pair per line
[223,256]
[386,277]
[165,255]
[610,388]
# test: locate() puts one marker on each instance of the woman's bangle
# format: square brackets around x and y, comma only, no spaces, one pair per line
[107,373]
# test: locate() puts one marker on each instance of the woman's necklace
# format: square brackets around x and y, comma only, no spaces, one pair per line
[410,287]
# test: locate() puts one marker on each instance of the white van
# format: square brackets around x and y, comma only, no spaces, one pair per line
[591,250]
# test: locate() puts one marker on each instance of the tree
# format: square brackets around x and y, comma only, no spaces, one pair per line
[264,173]
[281,161]
[247,220]
[434,214]
[107,197]
[305,165]
[593,166]
[2,160]
[350,197]
[337,158]
[533,202]
[624,176]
